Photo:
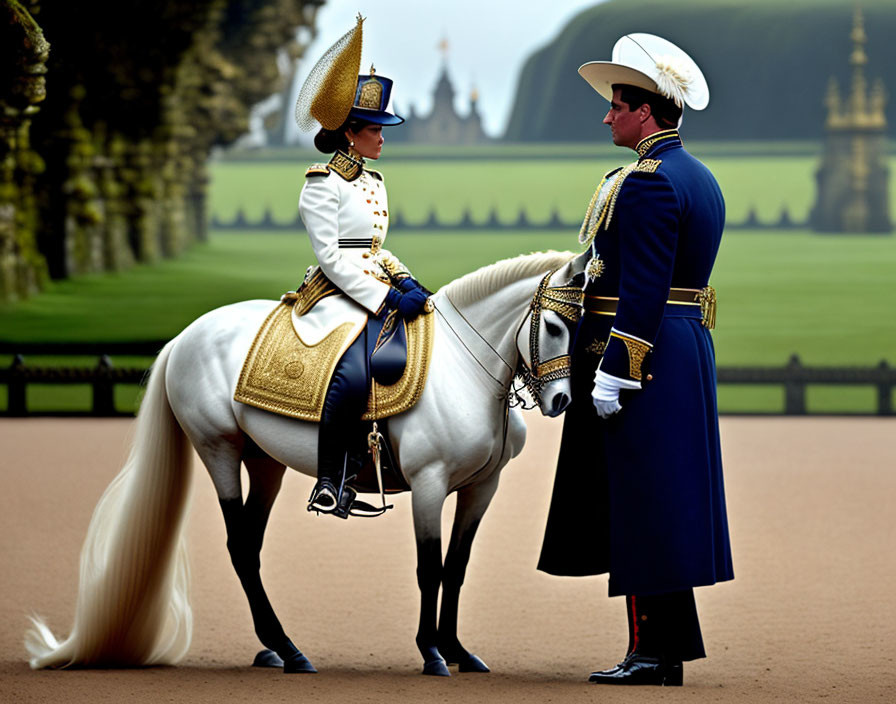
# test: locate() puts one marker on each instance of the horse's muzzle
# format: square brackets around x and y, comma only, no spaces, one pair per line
[559,402]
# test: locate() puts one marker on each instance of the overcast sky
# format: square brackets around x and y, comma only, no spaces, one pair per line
[488,42]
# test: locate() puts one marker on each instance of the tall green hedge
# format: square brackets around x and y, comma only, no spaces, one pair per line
[768,65]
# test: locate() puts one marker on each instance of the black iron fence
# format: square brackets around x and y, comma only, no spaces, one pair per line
[103,376]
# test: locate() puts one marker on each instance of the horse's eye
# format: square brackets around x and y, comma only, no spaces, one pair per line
[553,329]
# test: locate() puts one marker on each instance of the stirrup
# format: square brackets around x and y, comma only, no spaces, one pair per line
[323,497]
[346,499]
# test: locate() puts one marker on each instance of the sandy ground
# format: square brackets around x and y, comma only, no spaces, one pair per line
[810,616]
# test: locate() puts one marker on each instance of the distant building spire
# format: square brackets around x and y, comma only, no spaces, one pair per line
[862,109]
[858,96]
[853,195]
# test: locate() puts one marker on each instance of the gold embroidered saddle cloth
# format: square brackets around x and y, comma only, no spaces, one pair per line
[297,348]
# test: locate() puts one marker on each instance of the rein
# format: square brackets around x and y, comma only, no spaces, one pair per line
[451,313]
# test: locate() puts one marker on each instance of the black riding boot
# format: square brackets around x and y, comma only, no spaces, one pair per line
[346,401]
[664,631]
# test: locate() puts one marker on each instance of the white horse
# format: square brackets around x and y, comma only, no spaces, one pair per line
[133,605]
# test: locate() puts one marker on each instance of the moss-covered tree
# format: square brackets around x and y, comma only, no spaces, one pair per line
[137,95]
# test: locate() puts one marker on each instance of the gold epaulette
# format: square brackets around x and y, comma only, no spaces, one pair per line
[317,170]
[648,166]
[346,166]
[376,174]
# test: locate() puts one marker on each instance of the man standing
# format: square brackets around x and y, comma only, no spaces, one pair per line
[640,439]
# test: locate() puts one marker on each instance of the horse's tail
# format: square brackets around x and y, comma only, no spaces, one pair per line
[133,603]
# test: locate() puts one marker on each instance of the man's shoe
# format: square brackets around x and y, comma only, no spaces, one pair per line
[639,669]
[323,496]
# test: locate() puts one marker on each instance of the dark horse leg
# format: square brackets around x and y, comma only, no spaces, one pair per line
[472,501]
[427,507]
[245,533]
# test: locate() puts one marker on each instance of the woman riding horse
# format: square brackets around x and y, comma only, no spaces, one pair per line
[345,211]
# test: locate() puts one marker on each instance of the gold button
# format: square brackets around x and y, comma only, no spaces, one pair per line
[650,377]
[366,255]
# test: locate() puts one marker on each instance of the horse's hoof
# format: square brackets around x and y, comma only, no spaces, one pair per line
[472,663]
[299,663]
[267,658]
[437,668]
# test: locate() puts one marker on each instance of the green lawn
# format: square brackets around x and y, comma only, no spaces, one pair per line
[766,184]
[828,298]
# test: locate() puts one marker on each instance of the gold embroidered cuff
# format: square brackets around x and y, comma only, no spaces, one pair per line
[637,351]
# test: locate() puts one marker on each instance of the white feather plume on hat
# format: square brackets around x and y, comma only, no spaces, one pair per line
[653,63]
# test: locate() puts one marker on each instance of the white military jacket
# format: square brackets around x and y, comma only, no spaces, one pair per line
[346,213]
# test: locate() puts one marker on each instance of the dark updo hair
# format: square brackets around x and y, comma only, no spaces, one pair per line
[664,110]
[329,141]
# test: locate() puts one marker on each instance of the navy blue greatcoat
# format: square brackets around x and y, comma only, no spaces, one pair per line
[640,494]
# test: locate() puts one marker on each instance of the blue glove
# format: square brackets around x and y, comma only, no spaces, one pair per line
[412,303]
[408,284]
[393,298]
[407,304]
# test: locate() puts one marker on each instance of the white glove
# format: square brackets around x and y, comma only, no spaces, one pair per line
[606,392]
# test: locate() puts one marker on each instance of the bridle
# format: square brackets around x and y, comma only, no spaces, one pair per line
[568,303]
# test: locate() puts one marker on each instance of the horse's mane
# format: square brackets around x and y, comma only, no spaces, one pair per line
[480,283]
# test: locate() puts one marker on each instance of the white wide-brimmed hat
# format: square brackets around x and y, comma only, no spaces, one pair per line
[651,63]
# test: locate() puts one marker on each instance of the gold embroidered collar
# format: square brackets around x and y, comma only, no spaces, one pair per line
[646,144]
[346,166]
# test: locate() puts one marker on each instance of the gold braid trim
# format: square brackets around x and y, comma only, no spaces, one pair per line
[637,351]
[315,287]
[607,215]
[647,143]
[586,235]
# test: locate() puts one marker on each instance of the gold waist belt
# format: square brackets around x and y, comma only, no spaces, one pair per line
[705,298]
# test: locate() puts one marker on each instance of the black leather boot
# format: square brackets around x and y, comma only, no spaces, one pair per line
[663,632]
[639,669]
[330,464]
[346,400]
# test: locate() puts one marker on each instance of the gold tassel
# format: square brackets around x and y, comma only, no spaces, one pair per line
[707,300]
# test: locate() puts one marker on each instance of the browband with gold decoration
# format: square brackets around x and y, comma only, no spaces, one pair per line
[566,301]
